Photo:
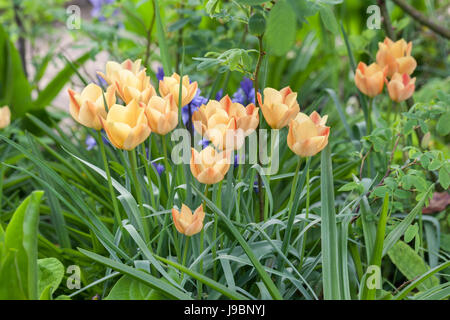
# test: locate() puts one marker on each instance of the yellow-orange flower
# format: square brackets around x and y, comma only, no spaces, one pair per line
[370,79]
[396,56]
[209,166]
[401,87]
[226,123]
[126,127]
[308,135]
[171,85]
[5,117]
[130,81]
[279,107]
[186,222]
[86,107]
[162,114]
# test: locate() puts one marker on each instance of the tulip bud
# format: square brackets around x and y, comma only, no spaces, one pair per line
[226,123]
[208,166]
[370,79]
[308,135]
[5,117]
[86,107]
[126,127]
[257,24]
[401,87]
[162,114]
[396,56]
[279,107]
[187,223]
[171,85]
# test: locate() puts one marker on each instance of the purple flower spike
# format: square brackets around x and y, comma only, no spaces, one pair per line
[219,94]
[159,167]
[160,73]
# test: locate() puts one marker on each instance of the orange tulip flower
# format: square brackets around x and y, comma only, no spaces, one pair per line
[226,123]
[279,107]
[171,85]
[130,81]
[5,117]
[370,79]
[308,135]
[186,222]
[208,166]
[396,56]
[401,87]
[162,114]
[126,127]
[86,107]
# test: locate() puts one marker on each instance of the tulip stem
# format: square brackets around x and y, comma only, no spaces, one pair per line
[255,85]
[133,162]
[108,177]
[302,254]
[166,163]
[239,176]
[290,223]
[145,161]
[202,235]
[216,221]
[186,246]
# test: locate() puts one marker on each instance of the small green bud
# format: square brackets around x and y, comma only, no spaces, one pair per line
[257,24]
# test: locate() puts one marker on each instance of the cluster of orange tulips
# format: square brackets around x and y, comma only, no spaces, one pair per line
[224,123]
[394,61]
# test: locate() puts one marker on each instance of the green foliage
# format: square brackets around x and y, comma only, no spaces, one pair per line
[411,264]
[18,252]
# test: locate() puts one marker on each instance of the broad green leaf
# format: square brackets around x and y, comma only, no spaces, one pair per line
[281,28]
[50,275]
[442,125]
[47,95]
[410,264]
[328,19]
[329,234]
[15,90]
[18,266]
[155,283]
[128,288]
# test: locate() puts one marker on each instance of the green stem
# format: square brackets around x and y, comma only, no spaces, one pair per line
[108,177]
[186,246]
[202,235]
[137,186]
[239,178]
[166,164]
[302,254]
[291,216]
[216,222]
[148,173]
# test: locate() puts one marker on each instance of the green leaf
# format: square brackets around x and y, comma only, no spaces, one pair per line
[400,229]
[411,232]
[160,34]
[328,19]
[128,288]
[18,266]
[442,125]
[329,234]
[146,278]
[444,178]
[251,2]
[421,279]
[15,90]
[410,264]
[50,274]
[49,93]
[281,28]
